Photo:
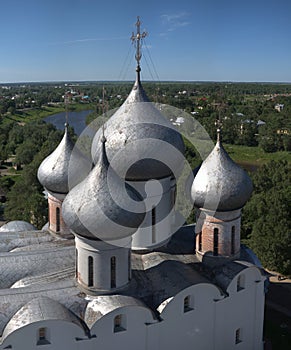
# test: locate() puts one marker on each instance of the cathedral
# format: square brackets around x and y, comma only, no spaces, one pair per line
[112,269]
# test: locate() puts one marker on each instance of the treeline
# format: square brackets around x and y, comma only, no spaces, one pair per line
[266,217]
[247,110]
[24,194]
[23,142]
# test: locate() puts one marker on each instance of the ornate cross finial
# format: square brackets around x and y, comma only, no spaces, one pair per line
[66,109]
[136,39]
[218,124]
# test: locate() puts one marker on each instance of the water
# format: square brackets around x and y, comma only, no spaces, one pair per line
[76,119]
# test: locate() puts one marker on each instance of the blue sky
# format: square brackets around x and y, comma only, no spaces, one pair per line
[226,40]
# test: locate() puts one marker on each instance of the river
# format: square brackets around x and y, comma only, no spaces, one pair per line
[76,119]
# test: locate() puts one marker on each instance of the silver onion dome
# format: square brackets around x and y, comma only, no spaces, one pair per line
[140,140]
[64,167]
[103,206]
[220,184]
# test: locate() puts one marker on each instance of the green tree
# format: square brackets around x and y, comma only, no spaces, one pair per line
[266,217]
[26,201]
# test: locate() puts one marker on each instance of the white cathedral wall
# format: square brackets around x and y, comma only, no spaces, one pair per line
[183,330]
[210,323]
[158,194]
[60,334]
[242,310]
[134,336]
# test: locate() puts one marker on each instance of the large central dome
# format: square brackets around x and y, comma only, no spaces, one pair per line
[141,142]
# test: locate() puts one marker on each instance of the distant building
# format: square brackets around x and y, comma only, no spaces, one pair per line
[279,107]
[283,131]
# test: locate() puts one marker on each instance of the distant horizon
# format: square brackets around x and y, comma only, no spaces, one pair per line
[143,81]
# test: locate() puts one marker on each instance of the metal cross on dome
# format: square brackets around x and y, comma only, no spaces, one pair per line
[136,38]
[218,124]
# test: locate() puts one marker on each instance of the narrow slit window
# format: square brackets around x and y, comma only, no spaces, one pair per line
[200,241]
[238,336]
[154,225]
[42,336]
[188,303]
[49,213]
[58,220]
[173,195]
[113,271]
[129,264]
[233,240]
[240,283]
[76,264]
[215,242]
[119,323]
[90,271]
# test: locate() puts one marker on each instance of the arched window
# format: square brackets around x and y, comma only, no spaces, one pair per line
[232,240]
[215,242]
[90,271]
[119,323]
[113,271]
[188,303]
[58,219]
[154,225]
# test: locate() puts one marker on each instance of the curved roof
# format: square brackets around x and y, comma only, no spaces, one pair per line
[57,172]
[39,309]
[104,304]
[103,206]
[17,265]
[17,226]
[140,140]
[220,184]
[224,275]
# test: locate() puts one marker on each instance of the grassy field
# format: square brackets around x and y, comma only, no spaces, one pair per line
[254,156]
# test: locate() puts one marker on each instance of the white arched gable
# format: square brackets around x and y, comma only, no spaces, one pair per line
[103,309]
[245,279]
[27,337]
[191,313]
[119,322]
[201,294]
[130,312]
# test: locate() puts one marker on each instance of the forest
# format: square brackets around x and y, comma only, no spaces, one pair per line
[252,114]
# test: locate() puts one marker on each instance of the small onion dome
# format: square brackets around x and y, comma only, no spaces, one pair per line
[220,184]
[103,206]
[139,140]
[64,167]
